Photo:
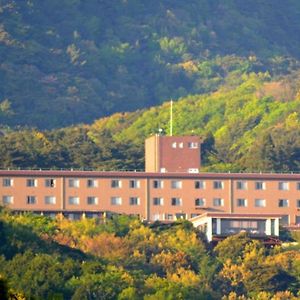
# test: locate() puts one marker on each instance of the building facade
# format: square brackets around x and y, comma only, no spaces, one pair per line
[151,196]
[171,188]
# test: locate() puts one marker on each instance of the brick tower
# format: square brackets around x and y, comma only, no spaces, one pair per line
[172,154]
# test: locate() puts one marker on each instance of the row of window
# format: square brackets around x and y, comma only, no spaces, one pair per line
[243,185]
[190,145]
[31,182]
[91,200]
[157,201]
[73,182]
[157,184]
[201,202]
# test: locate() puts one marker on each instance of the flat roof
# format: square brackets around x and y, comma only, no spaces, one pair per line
[176,137]
[139,174]
[236,216]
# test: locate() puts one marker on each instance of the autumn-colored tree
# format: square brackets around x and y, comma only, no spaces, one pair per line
[107,246]
[169,261]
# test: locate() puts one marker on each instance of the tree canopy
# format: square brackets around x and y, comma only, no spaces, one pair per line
[122,258]
[68,62]
[246,125]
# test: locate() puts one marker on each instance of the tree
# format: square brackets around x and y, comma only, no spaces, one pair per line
[232,248]
[105,285]
[3,288]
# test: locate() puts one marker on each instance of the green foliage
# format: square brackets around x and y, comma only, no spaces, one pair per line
[245,127]
[67,62]
[3,288]
[163,262]
[41,275]
[232,248]
[106,285]
[120,224]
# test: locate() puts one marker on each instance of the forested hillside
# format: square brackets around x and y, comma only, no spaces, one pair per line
[122,258]
[250,124]
[66,62]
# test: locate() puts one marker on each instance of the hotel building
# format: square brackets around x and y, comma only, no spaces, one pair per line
[170,188]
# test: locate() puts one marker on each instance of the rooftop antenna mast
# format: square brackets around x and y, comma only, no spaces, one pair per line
[171,118]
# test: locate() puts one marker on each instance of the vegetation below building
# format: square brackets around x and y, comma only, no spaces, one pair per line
[122,258]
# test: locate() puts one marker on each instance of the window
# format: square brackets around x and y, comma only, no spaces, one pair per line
[7,182]
[218,185]
[169,217]
[298,203]
[283,186]
[116,201]
[176,202]
[158,201]
[31,182]
[260,185]
[298,186]
[74,200]
[180,216]
[91,200]
[50,200]
[199,202]
[297,220]
[91,215]
[134,184]
[91,183]
[180,145]
[158,184]
[51,215]
[193,145]
[31,199]
[260,203]
[156,217]
[199,184]
[218,202]
[116,183]
[73,216]
[176,184]
[284,220]
[241,185]
[242,202]
[193,170]
[73,182]
[283,203]
[174,145]
[8,199]
[134,201]
[194,215]
[49,182]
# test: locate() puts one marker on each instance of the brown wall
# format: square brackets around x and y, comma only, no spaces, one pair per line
[146,192]
[160,154]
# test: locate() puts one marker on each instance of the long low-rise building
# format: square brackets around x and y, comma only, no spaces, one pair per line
[151,195]
[170,188]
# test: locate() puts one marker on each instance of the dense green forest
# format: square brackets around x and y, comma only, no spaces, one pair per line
[121,258]
[64,62]
[252,123]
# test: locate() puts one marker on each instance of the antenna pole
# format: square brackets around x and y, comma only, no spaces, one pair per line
[171,118]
